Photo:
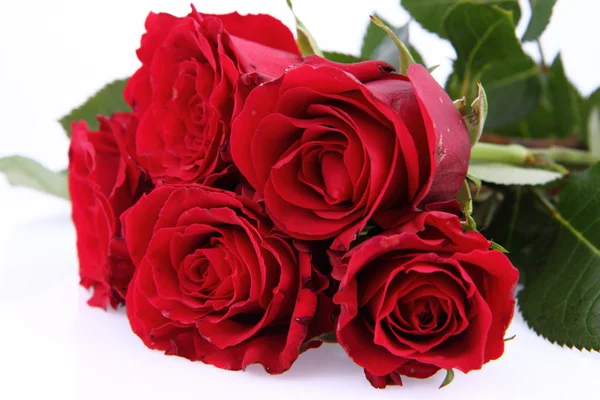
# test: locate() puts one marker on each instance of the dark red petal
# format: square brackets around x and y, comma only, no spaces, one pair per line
[467,351]
[138,92]
[380,382]
[243,130]
[141,218]
[322,79]
[299,222]
[400,96]
[364,71]
[500,279]
[267,62]
[451,146]
[158,27]
[148,323]
[415,369]
[357,341]
[260,28]
[336,179]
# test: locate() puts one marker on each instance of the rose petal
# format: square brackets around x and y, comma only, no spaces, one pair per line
[451,146]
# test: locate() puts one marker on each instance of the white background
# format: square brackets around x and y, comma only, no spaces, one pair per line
[53,55]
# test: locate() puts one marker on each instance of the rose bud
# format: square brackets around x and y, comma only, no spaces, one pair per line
[103,182]
[213,283]
[196,72]
[421,297]
[330,146]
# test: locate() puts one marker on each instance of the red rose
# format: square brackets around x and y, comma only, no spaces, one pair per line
[196,71]
[413,369]
[425,296]
[103,183]
[212,283]
[330,146]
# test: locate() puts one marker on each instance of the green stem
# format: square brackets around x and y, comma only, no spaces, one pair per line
[508,154]
[541,50]
[568,156]
[564,222]
[548,158]
[546,202]
[514,217]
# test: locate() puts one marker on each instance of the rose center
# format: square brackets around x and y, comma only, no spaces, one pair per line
[338,186]
[424,317]
[197,111]
[198,276]
[424,314]
[203,274]
[200,271]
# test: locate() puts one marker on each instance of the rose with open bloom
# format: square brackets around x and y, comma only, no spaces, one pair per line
[330,146]
[213,283]
[425,296]
[196,71]
[103,182]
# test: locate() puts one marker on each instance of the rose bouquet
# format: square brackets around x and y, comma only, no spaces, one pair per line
[253,197]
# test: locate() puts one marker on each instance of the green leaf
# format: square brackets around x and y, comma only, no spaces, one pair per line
[541,11]
[594,131]
[508,339]
[21,171]
[365,231]
[476,181]
[485,205]
[538,124]
[306,42]
[506,174]
[525,228]
[564,101]
[417,56]
[377,45]
[465,199]
[430,13]
[476,119]
[491,52]
[496,246]
[433,68]
[405,59]
[585,107]
[562,302]
[341,57]
[374,37]
[448,379]
[560,112]
[461,105]
[106,101]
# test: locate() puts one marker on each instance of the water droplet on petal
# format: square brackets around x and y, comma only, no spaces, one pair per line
[206,338]
[303,320]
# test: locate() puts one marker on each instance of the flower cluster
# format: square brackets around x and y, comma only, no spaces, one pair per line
[255,201]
